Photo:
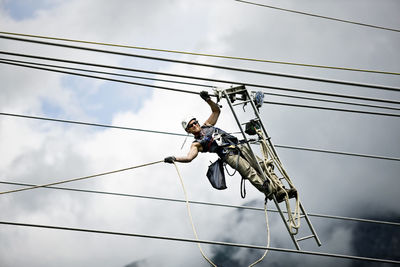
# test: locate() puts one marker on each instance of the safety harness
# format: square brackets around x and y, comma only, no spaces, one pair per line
[213,139]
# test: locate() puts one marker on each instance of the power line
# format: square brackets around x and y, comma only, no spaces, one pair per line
[371,86]
[194,84]
[199,241]
[89,124]
[82,178]
[338,153]
[199,203]
[187,91]
[195,241]
[184,135]
[106,73]
[201,78]
[101,78]
[331,101]
[319,16]
[201,54]
[334,109]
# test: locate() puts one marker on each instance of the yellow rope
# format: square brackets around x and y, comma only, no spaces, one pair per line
[201,54]
[80,178]
[191,218]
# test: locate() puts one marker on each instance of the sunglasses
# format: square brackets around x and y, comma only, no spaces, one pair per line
[191,124]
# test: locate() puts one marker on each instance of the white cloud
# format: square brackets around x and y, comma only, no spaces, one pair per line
[39,152]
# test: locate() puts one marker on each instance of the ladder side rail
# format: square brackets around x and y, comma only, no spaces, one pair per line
[258,165]
[286,223]
[245,138]
[235,116]
[262,126]
[270,146]
[274,155]
[271,150]
[310,225]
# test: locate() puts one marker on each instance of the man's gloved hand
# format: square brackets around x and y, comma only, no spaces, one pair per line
[170,159]
[204,95]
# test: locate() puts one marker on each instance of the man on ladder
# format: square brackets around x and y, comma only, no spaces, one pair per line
[212,139]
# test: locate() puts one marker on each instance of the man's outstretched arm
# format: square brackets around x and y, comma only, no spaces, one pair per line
[215,110]
[192,154]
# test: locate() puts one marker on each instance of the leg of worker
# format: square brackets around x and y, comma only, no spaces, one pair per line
[247,171]
[246,153]
[276,185]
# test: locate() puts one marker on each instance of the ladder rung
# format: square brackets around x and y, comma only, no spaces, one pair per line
[255,119]
[237,89]
[241,103]
[304,238]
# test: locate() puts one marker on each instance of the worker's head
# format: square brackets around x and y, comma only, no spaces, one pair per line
[191,125]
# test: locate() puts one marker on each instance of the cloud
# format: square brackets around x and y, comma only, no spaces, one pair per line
[38,152]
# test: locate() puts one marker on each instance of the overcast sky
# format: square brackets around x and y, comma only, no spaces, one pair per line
[41,152]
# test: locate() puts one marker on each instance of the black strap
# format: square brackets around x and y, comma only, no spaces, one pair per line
[242,188]
[242,182]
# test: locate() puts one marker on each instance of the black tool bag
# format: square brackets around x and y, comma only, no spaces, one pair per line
[252,126]
[216,175]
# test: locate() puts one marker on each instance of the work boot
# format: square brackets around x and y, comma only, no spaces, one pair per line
[280,195]
[292,192]
[267,189]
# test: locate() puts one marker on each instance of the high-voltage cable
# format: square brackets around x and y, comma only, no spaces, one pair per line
[201,203]
[187,91]
[184,135]
[190,83]
[202,78]
[81,178]
[200,54]
[169,238]
[106,73]
[315,79]
[319,16]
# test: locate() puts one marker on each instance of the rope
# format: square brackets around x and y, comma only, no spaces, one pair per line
[293,218]
[80,178]
[201,54]
[191,218]
[268,238]
[195,232]
[242,181]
